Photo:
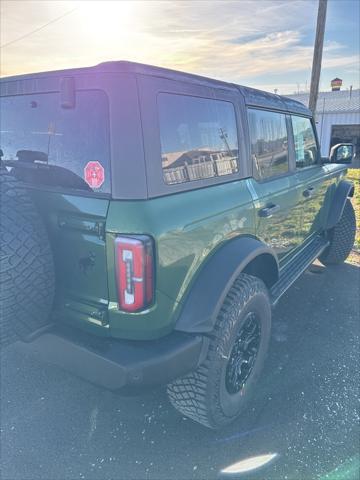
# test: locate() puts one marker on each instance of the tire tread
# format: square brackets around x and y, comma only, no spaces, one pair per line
[342,238]
[27,280]
[190,394]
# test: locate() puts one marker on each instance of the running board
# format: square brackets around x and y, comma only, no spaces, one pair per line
[292,271]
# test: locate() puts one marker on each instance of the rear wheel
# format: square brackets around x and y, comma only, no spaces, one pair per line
[219,390]
[26,264]
[341,238]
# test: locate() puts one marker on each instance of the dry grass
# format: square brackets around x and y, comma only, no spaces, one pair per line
[354,176]
[354,257]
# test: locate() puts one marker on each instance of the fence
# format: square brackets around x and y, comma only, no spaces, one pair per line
[216,167]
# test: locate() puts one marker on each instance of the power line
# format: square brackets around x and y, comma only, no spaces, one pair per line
[39,28]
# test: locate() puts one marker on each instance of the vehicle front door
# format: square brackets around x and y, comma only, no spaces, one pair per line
[314,179]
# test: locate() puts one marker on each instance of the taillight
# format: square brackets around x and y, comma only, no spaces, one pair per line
[135,272]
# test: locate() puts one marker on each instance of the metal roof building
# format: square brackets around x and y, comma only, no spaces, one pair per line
[337,118]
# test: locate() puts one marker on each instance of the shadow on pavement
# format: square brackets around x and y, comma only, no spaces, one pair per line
[55,426]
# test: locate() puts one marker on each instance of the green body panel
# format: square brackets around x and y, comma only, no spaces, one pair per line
[323,179]
[298,217]
[281,230]
[76,226]
[187,229]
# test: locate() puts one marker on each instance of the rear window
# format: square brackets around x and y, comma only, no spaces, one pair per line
[198,138]
[61,147]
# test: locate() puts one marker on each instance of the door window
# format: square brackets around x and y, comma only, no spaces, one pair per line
[269,143]
[306,151]
[198,138]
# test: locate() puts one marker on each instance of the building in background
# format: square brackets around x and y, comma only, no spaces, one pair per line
[337,118]
[336,84]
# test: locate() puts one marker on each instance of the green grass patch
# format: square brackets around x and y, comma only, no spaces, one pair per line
[354,174]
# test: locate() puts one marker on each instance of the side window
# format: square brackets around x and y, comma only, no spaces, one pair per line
[269,143]
[198,138]
[305,143]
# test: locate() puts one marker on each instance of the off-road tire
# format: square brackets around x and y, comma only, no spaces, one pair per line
[202,395]
[26,264]
[341,238]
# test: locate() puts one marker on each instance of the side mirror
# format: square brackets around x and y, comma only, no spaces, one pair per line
[342,153]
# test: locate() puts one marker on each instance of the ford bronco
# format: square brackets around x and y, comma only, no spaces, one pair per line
[150,219]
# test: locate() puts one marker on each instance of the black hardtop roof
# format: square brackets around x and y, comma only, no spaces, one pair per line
[254,97]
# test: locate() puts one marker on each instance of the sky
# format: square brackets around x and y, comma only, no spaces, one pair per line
[266,44]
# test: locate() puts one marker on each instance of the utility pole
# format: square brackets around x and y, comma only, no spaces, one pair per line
[224,136]
[318,50]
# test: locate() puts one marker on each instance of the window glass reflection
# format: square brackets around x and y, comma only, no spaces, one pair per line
[305,143]
[198,138]
[269,143]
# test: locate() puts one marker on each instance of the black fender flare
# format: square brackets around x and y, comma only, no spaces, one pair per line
[202,304]
[344,190]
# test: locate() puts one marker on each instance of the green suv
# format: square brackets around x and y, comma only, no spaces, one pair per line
[150,219]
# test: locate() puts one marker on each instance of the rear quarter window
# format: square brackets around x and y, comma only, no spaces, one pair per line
[75,140]
[198,138]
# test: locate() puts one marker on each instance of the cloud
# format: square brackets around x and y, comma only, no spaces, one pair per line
[232,40]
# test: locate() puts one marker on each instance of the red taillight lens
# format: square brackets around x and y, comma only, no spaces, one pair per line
[135,272]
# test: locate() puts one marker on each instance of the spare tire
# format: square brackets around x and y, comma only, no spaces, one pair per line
[27,280]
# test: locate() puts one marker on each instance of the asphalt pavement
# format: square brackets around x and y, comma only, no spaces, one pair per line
[305,413]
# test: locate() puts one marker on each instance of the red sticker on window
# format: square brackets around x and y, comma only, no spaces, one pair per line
[94,174]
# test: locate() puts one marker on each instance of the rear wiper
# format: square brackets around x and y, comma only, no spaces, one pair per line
[27,158]
[32,156]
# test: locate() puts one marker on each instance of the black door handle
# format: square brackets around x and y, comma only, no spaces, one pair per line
[309,192]
[269,211]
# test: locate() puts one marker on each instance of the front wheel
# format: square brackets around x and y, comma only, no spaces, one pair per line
[341,238]
[218,391]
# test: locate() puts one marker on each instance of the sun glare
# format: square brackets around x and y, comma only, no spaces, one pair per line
[249,464]
[107,18]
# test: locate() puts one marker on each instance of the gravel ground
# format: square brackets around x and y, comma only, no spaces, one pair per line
[55,426]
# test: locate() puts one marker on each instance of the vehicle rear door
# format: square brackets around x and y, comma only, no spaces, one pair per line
[274,184]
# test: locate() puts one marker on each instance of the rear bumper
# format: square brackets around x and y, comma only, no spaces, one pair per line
[117,364]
